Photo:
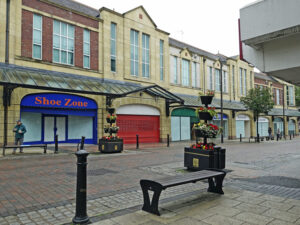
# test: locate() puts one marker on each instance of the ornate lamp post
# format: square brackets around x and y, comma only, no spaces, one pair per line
[222,62]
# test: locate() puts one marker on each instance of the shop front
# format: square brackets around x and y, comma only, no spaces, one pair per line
[139,120]
[263,126]
[278,124]
[46,115]
[242,123]
[182,121]
[292,126]
[217,121]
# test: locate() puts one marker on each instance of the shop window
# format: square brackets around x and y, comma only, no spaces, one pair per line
[79,126]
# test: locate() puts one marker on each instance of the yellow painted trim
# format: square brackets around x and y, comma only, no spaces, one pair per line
[59,18]
[196,154]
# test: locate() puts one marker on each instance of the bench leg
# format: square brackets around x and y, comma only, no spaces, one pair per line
[45,150]
[151,207]
[216,184]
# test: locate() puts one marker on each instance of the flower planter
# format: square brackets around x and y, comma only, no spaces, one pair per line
[205,116]
[106,130]
[199,159]
[110,146]
[206,100]
[201,133]
[110,121]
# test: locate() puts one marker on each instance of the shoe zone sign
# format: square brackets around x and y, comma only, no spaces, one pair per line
[56,100]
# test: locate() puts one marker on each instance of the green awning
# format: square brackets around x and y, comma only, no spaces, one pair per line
[187,113]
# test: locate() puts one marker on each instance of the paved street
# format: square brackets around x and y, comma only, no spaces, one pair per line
[40,189]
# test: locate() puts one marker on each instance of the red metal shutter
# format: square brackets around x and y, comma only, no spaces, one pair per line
[147,127]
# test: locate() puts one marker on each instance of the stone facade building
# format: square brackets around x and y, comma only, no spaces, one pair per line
[63,63]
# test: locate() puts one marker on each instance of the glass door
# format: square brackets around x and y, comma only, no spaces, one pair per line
[54,125]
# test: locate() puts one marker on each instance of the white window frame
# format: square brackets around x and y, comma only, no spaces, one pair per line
[291,95]
[134,46]
[245,82]
[233,81]
[175,75]
[60,38]
[87,42]
[145,55]
[241,82]
[41,32]
[185,81]
[113,41]
[217,80]
[225,82]
[277,97]
[211,84]
[194,74]
[161,59]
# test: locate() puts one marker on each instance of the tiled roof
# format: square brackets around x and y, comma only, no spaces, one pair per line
[77,7]
[191,100]
[264,77]
[191,48]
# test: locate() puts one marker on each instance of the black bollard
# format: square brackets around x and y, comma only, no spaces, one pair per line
[240,137]
[168,140]
[277,137]
[293,134]
[258,138]
[56,144]
[137,141]
[82,142]
[290,136]
[81,216]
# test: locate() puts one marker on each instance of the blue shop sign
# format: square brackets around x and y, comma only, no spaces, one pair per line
[218,117]
[55,100]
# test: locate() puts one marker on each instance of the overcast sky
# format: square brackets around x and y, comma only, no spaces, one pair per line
[211,25]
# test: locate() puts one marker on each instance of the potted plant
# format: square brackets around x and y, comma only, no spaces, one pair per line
[207,98]
[111,118]
[205,130]
[114,129]
[206,113]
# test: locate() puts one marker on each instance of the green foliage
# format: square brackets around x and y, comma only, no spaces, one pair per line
[297,94]
[258,100]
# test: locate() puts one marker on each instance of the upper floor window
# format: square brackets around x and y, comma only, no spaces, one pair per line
[233,81]
[225,81]
[63,43]
[174,72]
[185,72]
[210,80]
[245,82]
[217,80]
[113,46]
[251,79]
[146,56]
[277,97]
[194,74]
[37,37]
[161,59]
[241,81]
[134,52]
[290,95]
[86,48]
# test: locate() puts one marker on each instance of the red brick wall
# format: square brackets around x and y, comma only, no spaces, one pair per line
[26,46]
[47,38]
[259,81]
[277,85]
[78,46]
[94,50]
[53,10]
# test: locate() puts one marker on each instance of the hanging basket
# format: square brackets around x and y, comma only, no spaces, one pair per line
[203,134]
[206,100]
[111,110]
[110,121]
[205,116]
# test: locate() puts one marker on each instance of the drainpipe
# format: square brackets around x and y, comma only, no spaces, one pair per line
[7,32]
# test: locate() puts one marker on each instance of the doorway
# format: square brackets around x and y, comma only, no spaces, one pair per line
[54,125]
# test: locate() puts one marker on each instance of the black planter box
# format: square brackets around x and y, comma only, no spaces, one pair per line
[110,146]
[205,116]
[206,100]
[199,159]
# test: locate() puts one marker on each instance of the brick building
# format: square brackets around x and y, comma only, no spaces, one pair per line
[62,63]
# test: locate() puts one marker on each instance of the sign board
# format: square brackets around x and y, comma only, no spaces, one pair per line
[55,100]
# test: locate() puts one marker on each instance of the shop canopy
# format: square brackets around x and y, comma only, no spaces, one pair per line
[12,76]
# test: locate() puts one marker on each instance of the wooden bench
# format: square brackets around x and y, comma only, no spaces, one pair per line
[24,146]
[215,180]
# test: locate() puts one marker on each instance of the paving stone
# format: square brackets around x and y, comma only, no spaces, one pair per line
[186,221]
[282,215]
[250,200]
[276,205]
[130,219]
[280,222]
[256,209]
[292,202]
[272,198]
[221,220]
[295,210]
[253,218]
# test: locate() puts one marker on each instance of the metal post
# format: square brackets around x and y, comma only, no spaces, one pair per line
[277,137]
[137,141]
[222,140]
[290,136]
[283,112]
[258,138]
[82,142]
[56,144]
[240,137]
[293,134]
[168,140]
[81,216]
